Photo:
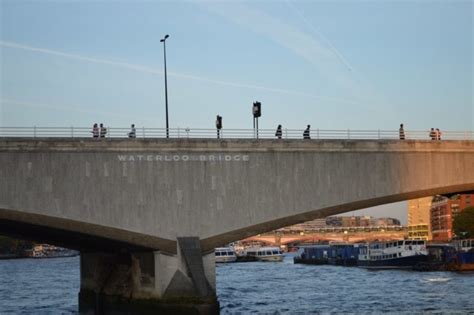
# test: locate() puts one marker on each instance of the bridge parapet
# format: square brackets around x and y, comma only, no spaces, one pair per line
[204,133]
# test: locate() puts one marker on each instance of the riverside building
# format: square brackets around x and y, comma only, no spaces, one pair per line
[443,211]
[419,225]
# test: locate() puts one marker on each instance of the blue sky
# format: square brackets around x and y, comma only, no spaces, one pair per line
[332,64]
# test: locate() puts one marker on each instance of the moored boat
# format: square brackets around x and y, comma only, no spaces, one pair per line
[265,253]
[312,255]
[392,254]
[464,258]
[225,255]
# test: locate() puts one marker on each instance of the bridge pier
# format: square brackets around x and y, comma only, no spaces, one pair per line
[149,282]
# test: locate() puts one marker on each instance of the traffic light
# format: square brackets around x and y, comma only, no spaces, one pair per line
[219,122]
[257,109]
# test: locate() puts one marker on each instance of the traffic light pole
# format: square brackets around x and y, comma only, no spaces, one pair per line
[257,127]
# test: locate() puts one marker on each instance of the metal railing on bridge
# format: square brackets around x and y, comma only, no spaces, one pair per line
[200,133]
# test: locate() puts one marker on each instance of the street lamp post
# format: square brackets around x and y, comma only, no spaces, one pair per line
[163,40]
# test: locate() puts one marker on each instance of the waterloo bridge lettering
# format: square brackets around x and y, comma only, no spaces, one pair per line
[183,157]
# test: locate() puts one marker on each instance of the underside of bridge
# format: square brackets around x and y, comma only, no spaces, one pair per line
[220,240]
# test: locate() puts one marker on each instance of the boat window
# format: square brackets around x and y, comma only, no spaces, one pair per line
[218,253]
[269,252]
[407,242]
[399,254]
[275,252]
[230,253]
[400,243]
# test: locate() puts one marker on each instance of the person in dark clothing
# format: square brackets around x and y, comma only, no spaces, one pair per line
[218,126]
[278,132]
[306,133]
[432,134]
[401,132]
[133,132]
[438,134]
[95,131]
[103,131]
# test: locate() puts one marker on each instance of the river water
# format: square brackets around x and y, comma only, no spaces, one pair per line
[50,286]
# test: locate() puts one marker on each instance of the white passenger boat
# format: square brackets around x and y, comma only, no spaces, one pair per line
[225,255]
[392,254]
[265,253]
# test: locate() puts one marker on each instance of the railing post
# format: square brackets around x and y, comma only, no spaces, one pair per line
[348,134]
[286,133]
[378,134]
[178,132]
[72,132]
[34,131]
[317,133]
[143,132]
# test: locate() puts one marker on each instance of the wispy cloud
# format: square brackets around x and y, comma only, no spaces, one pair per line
[146,69]
[318,33]
[74,108]
[316,50]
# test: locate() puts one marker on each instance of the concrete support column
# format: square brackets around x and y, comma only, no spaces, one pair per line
[149,282]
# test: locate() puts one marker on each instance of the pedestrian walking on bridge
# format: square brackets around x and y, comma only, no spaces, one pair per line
[278,132]
[401,132]
[306,133]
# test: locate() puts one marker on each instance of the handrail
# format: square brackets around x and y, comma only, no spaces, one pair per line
[203,133]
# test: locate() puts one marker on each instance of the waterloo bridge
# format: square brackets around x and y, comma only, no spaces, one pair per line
[146,214]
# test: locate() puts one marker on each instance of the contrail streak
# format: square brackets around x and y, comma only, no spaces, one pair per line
[145,69]
[316,31]
[68,108]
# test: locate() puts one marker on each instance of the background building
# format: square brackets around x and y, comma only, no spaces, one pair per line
[443,211]
[419,225]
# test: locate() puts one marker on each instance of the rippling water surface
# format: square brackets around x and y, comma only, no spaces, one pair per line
[46,286]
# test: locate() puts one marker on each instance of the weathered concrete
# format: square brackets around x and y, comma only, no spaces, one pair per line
[149,282]
[84,186]
[145,194]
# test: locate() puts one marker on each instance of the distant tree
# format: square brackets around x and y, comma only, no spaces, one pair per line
[463,224]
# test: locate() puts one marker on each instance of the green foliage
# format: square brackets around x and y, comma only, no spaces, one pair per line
[463,224]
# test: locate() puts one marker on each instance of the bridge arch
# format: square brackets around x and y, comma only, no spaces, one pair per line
[77,235]
[338,209]
[217,190]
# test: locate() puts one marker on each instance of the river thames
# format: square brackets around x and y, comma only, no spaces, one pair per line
[51,286]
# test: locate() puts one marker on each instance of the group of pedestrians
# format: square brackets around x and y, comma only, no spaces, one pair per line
[306,132]
[435,134]
[99,131]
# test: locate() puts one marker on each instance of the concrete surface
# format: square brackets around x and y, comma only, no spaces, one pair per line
[147,193]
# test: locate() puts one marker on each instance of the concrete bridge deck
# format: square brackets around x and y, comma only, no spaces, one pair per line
[146,194]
